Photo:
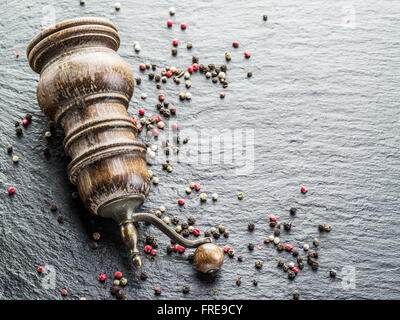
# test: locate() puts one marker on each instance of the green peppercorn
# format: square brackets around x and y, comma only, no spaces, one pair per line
[96,236]
[123,281]
[259,264]
[240,195]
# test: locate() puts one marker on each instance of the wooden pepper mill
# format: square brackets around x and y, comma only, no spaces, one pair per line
[85,86]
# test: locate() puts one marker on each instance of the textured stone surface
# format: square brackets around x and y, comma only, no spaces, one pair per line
[325,108]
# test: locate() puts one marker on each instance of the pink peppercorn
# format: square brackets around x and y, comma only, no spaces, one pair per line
[170,23]
[141,111]
[247,55]
[168,74]
[273,218]
[196,232]
[183,26]
[40,269]
[197,186]
[179,248]
[118,275]
[227,248]
[153,252]
[195,67]
[181,202]
[102,277]
[235,44]
[161,97]
[155,132]
[64,292]
[25,122]
[147,248]
[190,69]
[303,189]
[142,67]
[175,126]
[17,53]
[11,190]
[175,42]
[295,270]
[288,247]
[158,118]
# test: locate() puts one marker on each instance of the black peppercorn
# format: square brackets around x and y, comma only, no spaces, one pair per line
[287,226]
[184,225]
[173,111]
[138,81]
[175,220]
[293,211]
[18,130]
[94,245]
[240,258]
[186,233]
[120,294]
[225,85]
[195,59]
[216,235]
[185,289]
[265,17]
[191,221]
[295,253]
[144,275]
[150,239]
[53,207]
[207,233]
[174,51]
[157,291]
[280,263]
[60,219]
[272,224]
[250,226]
[226,234]
[258,264]
[332,273]
[16,124]
[28,117]
[9,148]
[277,232]
[296,296]
[114,290]
[249,74]
[238,281]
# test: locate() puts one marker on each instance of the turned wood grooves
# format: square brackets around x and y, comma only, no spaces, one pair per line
[85,86]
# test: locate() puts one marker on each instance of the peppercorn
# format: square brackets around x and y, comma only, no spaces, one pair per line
[295,253]
[123,281]
[144,275]
[228,56]
[9,148]
[120,295]
[157,291]
[272,224]
[250,246]
[64,292]
[250,226]
[184,225]
[16,124]
[316,242]
[60,219]
[191,220]
[53,207]
[175,220]
[287,226]
[203,196]
[306,247]
[277,232]
[195,59]
[226,234]
[96,236]
[258,264]
[265,17]
[332,273]
[174,51]
[185,289]
[15,159]
[300,265]
[216,235]
[249,74]
[18,130]
[238,281]
[116,282]
[296,296]
[178,229]
[280,263]
[138,81]
[186,233]
[240,195]
[221,228]
[279,247]
[94,245]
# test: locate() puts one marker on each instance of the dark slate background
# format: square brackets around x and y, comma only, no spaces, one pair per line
[323,105]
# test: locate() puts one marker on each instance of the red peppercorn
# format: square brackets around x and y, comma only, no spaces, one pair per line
[196,232]
[118,275]
[195,67]
[227,248]
[158,118]
[102,277]
[153,252]
[181,202]
[247,55]
[147,248]
[222,95]
[17,53]
[64,292]
[156,132]
[197,186]
[175,42]
[170,23]
[273,218]
[190,69]
[142,67]
[141,111]
[303,189]
[11,190]
[25,122]
[175,126]
[295,270]
[179,248]
[40,269]
[288,247]
[168,74]
[161,97]
[235,44]
[183,26]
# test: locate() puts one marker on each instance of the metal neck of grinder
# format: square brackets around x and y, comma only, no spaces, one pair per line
[123,211]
